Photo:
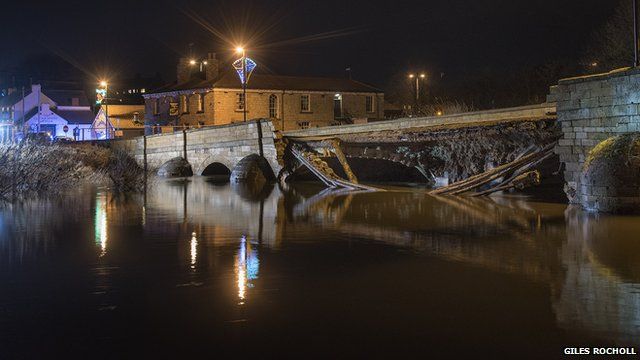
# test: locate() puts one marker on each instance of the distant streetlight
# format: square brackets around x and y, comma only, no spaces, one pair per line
[201,63]
[418,77]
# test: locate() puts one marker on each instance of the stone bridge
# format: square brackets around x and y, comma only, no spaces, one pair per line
[453,146]
[215,150]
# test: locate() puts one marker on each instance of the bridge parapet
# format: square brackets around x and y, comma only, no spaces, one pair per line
[487,117]
[224,144]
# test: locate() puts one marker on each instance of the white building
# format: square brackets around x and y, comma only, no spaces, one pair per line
[49,111]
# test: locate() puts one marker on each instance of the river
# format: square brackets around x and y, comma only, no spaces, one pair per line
[196,267]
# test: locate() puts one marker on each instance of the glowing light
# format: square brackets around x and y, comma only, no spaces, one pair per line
[205,62]
[194,250]
[411,76]
[100,225]
[422,76]
[439,113]
[247,268]
[239,50]
[192,62]
[103,84]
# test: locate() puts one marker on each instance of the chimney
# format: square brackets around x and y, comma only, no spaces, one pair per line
[183,70]
[212,67]
[35,88]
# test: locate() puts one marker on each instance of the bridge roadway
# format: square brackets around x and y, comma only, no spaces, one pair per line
[409,141]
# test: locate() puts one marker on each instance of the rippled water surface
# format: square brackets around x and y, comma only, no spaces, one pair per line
[195,267]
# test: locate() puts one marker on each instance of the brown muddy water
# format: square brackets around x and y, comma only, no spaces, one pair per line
[199,269]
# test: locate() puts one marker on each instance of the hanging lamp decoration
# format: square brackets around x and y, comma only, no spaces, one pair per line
[250,66]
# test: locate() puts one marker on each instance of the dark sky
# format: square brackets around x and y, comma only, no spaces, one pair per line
[376,39]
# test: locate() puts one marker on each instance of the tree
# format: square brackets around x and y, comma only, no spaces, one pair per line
[611,45]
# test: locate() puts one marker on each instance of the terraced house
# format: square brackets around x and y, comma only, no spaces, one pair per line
[214,96]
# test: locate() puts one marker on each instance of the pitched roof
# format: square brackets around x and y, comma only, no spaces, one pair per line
[305,83]
[84,116]
[229,80]
[65,97]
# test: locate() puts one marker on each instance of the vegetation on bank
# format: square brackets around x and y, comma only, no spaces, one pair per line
[33,169]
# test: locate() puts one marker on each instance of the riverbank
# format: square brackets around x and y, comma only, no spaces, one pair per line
[33,169]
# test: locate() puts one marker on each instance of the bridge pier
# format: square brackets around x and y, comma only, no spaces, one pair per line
[593,111]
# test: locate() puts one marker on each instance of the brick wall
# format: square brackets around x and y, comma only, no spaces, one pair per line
[591,109]
[220,108]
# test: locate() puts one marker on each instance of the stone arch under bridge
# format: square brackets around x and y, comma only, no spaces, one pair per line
[227,145]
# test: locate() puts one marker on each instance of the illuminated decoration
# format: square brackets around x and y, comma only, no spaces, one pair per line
[101,94]
[250,65]
[100,225]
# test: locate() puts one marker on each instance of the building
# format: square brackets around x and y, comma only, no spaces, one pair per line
[130,91]
[214,96]
[124,121]
[59,113]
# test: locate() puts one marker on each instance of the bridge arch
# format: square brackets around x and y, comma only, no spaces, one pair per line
[175,167]
[252,169]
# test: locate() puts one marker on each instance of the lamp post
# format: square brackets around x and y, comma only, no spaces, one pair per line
[418,78]
[105,85]
[636,36]
[201,63]
[240,50]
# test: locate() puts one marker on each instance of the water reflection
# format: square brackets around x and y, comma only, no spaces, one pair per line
[588,266]
[100,221]
[194,250]
[247,268]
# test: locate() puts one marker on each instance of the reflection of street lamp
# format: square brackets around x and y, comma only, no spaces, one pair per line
[418,78]
[105,85]
[240,50]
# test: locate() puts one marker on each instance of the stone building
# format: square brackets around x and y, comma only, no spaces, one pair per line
[214,96]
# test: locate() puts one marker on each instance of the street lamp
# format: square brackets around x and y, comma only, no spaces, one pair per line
[240,50]
[418,78]
[105,86]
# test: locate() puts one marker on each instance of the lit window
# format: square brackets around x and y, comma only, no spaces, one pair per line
[273,106]
[303,124]
[369,101]
[200,102]
[156,107]
[239,101]
[184,104]
[305,103]
[143,90]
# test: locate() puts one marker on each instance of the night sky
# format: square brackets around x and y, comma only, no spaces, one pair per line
[376,39]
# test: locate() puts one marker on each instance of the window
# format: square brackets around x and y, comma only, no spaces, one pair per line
[200,102]
[156,108]
[184,104]
[369,103]
[305,103]
[240,101]
[273,106]
[303,124]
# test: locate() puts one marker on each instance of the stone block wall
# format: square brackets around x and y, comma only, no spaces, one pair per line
[591,109]
[226,144]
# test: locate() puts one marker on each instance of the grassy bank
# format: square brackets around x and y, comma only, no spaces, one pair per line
[30,169]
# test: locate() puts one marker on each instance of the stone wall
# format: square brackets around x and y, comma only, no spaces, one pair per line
[227,144]
[590,110]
